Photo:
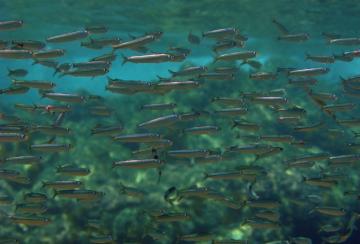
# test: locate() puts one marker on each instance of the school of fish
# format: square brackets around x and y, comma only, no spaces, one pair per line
[154,139]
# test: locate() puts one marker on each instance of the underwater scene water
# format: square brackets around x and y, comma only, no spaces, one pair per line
[179,121]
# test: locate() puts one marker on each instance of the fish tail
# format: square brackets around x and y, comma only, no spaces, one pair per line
[9,71]
[43,184]
[55,193]
[234,124]
[56,71]
[125,59]
[206,175]
[171,72]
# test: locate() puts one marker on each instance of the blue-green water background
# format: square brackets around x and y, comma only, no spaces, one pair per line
[124,218]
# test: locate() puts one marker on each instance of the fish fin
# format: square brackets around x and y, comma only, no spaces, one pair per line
[55,193]
[159,175]
[125,59]
[234,124]
[171,72]
[52,139]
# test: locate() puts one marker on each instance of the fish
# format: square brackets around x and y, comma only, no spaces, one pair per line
[344,158]
[188,153]
[107,130]
[51,147]
[102,239]
[320,59]
[64,97]
[72,170]
[264,204]
[252,63]
[261,224]
[108,57]
[235,56]
[37,84]
[30,208]
[158,106]
[17,72]
[292,111]
[62,185]
[138,138]
[139,163]
[263,76]
[138,42]
[330,211]
[216,76]
[345,41]
[132,192]
[54,53]
[299,37]
[302,82]
[308,72]
[5,200]
[149,58]
[11,25]
[214,158]
[172,217]
[27,159]
[176,85]
[180,50]
[30,45]
[16,54]
[166,120]
[269,215]
[92,65]
[96,29]
[229,241]
[339,107]
[240,124]
[52,130]
[196,237]
[100,111]
[80,195]
[93,72]
[231,175]
[220,33]
[231,111]
[228,101]
[199,130]
[35,197]
[55,108]
[309,128]
[266,100]
[227,44]
[67,37]
[320,182]
[30,221]
[13,137]
[192,70]
[226,69]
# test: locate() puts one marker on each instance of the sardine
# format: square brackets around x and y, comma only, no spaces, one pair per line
[67,37]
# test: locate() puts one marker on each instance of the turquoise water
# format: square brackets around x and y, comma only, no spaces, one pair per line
[222,209]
